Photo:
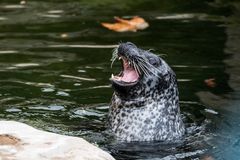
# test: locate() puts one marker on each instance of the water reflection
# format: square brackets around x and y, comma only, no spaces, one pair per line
[8,52]
[182,16]
[13,6]
[85,46]
[227,140]
[79,78]
[3,18]
[50,15]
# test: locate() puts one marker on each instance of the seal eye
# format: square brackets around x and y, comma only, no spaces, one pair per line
[153,61]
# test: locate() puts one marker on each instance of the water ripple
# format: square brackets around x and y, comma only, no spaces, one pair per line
[50,15]
[184,80]
[49,108]
[3,18]
[13,110]
[181,16]
[88,112]
[47,90]
[97,87]
[38,84]
[81,46]
[211,111]
[78,78]
[183,155]
[61,93]
[8,51]
[17,6]
[55,11]
[26,65]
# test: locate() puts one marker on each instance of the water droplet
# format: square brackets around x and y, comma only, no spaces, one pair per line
[211,111]
[61,93]
[48,90]
[81,71]
[26,65]
[49,108]
[64,35]
[83,112]
[13,110]
[23,2]
[55,11]
[56,108]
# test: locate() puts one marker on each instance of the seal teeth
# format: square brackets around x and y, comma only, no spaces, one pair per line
[119,58]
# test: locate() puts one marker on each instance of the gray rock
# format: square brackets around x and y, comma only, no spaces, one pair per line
[19,141]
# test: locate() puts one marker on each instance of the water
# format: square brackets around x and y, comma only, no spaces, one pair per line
[55,69]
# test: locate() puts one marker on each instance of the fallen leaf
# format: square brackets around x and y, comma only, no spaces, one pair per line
[210,82]
[124,25]
[119,27]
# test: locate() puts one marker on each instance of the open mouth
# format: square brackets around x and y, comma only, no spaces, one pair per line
[128,75]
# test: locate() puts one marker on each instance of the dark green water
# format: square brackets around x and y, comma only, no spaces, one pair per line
[55,69]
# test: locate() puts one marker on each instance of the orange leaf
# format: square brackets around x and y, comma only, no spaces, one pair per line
[119,27]
[123,25]
[210,82]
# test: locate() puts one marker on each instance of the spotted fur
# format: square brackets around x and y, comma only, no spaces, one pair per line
[148,110]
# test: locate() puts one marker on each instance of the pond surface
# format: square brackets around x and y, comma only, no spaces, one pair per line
[55,69]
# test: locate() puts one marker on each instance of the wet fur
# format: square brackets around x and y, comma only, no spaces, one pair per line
[148,110]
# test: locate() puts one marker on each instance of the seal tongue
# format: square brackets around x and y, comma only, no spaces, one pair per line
[129,75]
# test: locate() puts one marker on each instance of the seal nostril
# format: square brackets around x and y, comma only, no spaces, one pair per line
[124,47]
[130,43]
[121,50]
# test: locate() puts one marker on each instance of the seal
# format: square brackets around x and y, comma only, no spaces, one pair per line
[145,103]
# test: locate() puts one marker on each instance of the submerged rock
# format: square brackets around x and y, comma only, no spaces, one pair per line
[19,141]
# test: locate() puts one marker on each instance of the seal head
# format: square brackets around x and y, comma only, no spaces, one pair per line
[144,105]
